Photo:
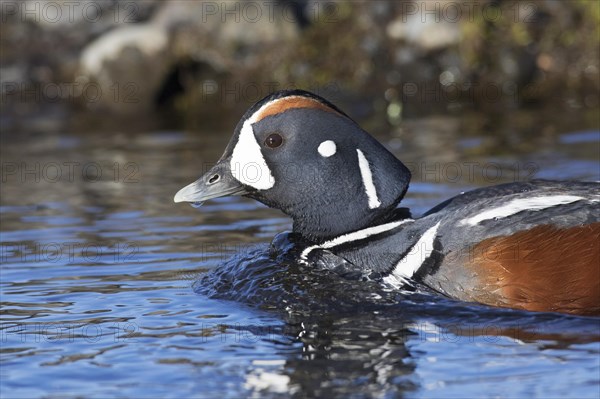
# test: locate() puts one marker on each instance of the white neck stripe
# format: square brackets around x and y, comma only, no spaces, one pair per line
[354,236]
[521,204]
[418,254]
[367,177]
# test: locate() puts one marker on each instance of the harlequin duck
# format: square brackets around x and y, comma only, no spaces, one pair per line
[529,245]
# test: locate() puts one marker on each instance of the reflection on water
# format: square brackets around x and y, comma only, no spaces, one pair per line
[109,289]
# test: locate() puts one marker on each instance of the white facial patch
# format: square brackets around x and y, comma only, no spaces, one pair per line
[367,178]
[519,205]
[411,263]
[327,148]
[248,165]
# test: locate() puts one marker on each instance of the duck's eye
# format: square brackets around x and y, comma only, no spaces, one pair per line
[274,140]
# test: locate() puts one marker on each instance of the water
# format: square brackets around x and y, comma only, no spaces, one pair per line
[109,289]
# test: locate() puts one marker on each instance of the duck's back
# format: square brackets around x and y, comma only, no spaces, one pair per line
[533,245]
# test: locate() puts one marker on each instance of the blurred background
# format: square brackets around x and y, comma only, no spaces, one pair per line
[191,64]
[108,107]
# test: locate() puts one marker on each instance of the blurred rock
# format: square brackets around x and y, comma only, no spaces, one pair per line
[227,36]
[426,32]
[128,64]
[85,18]
[196,56]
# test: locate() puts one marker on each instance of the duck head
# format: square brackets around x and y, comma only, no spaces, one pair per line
[296,152]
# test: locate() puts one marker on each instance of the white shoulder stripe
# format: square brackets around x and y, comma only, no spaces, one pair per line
[354,236]
[519,205]
[418,254]
[367,177]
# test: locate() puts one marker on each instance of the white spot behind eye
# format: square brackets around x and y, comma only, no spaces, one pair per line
[327,148]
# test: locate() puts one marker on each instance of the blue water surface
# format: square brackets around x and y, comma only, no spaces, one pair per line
[109,289]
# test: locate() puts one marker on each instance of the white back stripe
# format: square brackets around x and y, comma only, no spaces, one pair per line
[354,236]
[367,177]
[519,205]
[417,255]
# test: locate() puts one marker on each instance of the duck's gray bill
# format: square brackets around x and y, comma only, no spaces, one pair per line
[218,182]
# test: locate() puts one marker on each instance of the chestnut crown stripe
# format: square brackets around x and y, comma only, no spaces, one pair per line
[286,103]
